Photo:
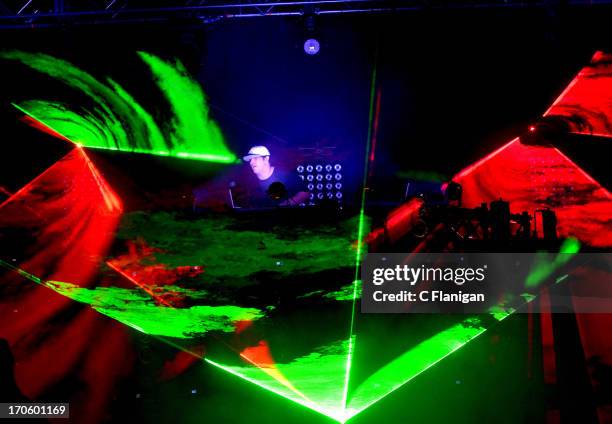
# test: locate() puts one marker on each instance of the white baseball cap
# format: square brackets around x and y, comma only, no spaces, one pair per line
[256,151]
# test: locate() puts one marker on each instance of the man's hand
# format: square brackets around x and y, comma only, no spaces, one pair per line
[299,198]
[296,200]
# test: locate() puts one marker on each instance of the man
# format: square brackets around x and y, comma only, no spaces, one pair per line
[276,187]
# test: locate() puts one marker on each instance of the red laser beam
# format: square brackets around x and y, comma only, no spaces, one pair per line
[136,282]
[534,177]
[375,132]
[35,123]
[139,266]
[587,101]
[72,214]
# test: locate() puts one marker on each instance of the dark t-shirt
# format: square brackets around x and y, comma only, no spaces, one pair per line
[291,185]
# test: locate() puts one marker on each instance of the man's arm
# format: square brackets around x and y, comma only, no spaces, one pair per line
[295,185]
[299,198]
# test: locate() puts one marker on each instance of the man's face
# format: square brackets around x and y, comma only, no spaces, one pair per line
[259,164]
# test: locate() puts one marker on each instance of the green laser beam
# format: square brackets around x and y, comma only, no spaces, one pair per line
[183,155]
[409,365]
[320,390]
[544,268]
[234,255]
[191,125]
[360,233]
[137,310]
[314,388]
[417,360]
[333,414]
[114,120]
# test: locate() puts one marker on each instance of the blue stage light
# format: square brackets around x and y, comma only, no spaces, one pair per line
[311,46]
